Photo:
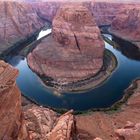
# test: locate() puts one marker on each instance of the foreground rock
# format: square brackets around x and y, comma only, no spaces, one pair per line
[129,132]
[43,123]
[75,49]
[10,102]
[126,25]
[29,121]
[18,21]
[112,125]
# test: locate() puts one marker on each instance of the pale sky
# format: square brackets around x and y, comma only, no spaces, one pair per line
[114,1]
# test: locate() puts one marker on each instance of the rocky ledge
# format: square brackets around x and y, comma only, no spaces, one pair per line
[75,49]
[121,124]
[10,102]
[29,122]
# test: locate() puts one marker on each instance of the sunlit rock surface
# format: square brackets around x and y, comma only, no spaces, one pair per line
[10,102]
[43,123]
[75,49]
[28,121]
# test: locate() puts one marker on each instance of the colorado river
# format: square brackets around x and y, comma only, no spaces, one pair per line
[103,96]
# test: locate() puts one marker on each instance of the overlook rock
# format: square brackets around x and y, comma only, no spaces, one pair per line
[29,122]
[10,102]
[75,49]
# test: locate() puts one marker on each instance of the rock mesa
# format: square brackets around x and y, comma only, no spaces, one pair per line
[75,49]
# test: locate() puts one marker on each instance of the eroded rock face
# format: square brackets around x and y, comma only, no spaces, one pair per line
[74,26]
[126,24]
[10,103]
[39,122]
[104,12]
[43,123]
[75,49]
[46,10]
[65,128]
[124,122]
[129,132]
[18,21]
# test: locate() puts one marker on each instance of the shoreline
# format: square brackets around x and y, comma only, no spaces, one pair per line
[128,93]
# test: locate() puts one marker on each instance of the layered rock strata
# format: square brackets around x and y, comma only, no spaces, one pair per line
[18,21]
[43,123]
[104,12]
[126,25]
[75,49]
[10,102]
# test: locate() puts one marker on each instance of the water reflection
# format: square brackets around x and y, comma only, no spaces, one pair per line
[129,50]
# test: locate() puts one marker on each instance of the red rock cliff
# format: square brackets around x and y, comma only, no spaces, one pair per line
[18,21]
[29,122]
[126,24]
[10,103]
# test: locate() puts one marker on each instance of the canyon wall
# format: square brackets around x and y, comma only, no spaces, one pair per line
[18,22]
[122,124]
[10,102]
[19,19]
[126,25]
[104,12]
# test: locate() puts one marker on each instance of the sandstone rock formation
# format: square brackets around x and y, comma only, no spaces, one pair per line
[129,132]
[46,10]
[10,103]
[126,25]
[75,49]
[29,121]
[107,125]
[18,21]
[104,11]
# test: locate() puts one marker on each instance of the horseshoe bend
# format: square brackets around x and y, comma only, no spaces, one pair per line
[69,70]
[73,52]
